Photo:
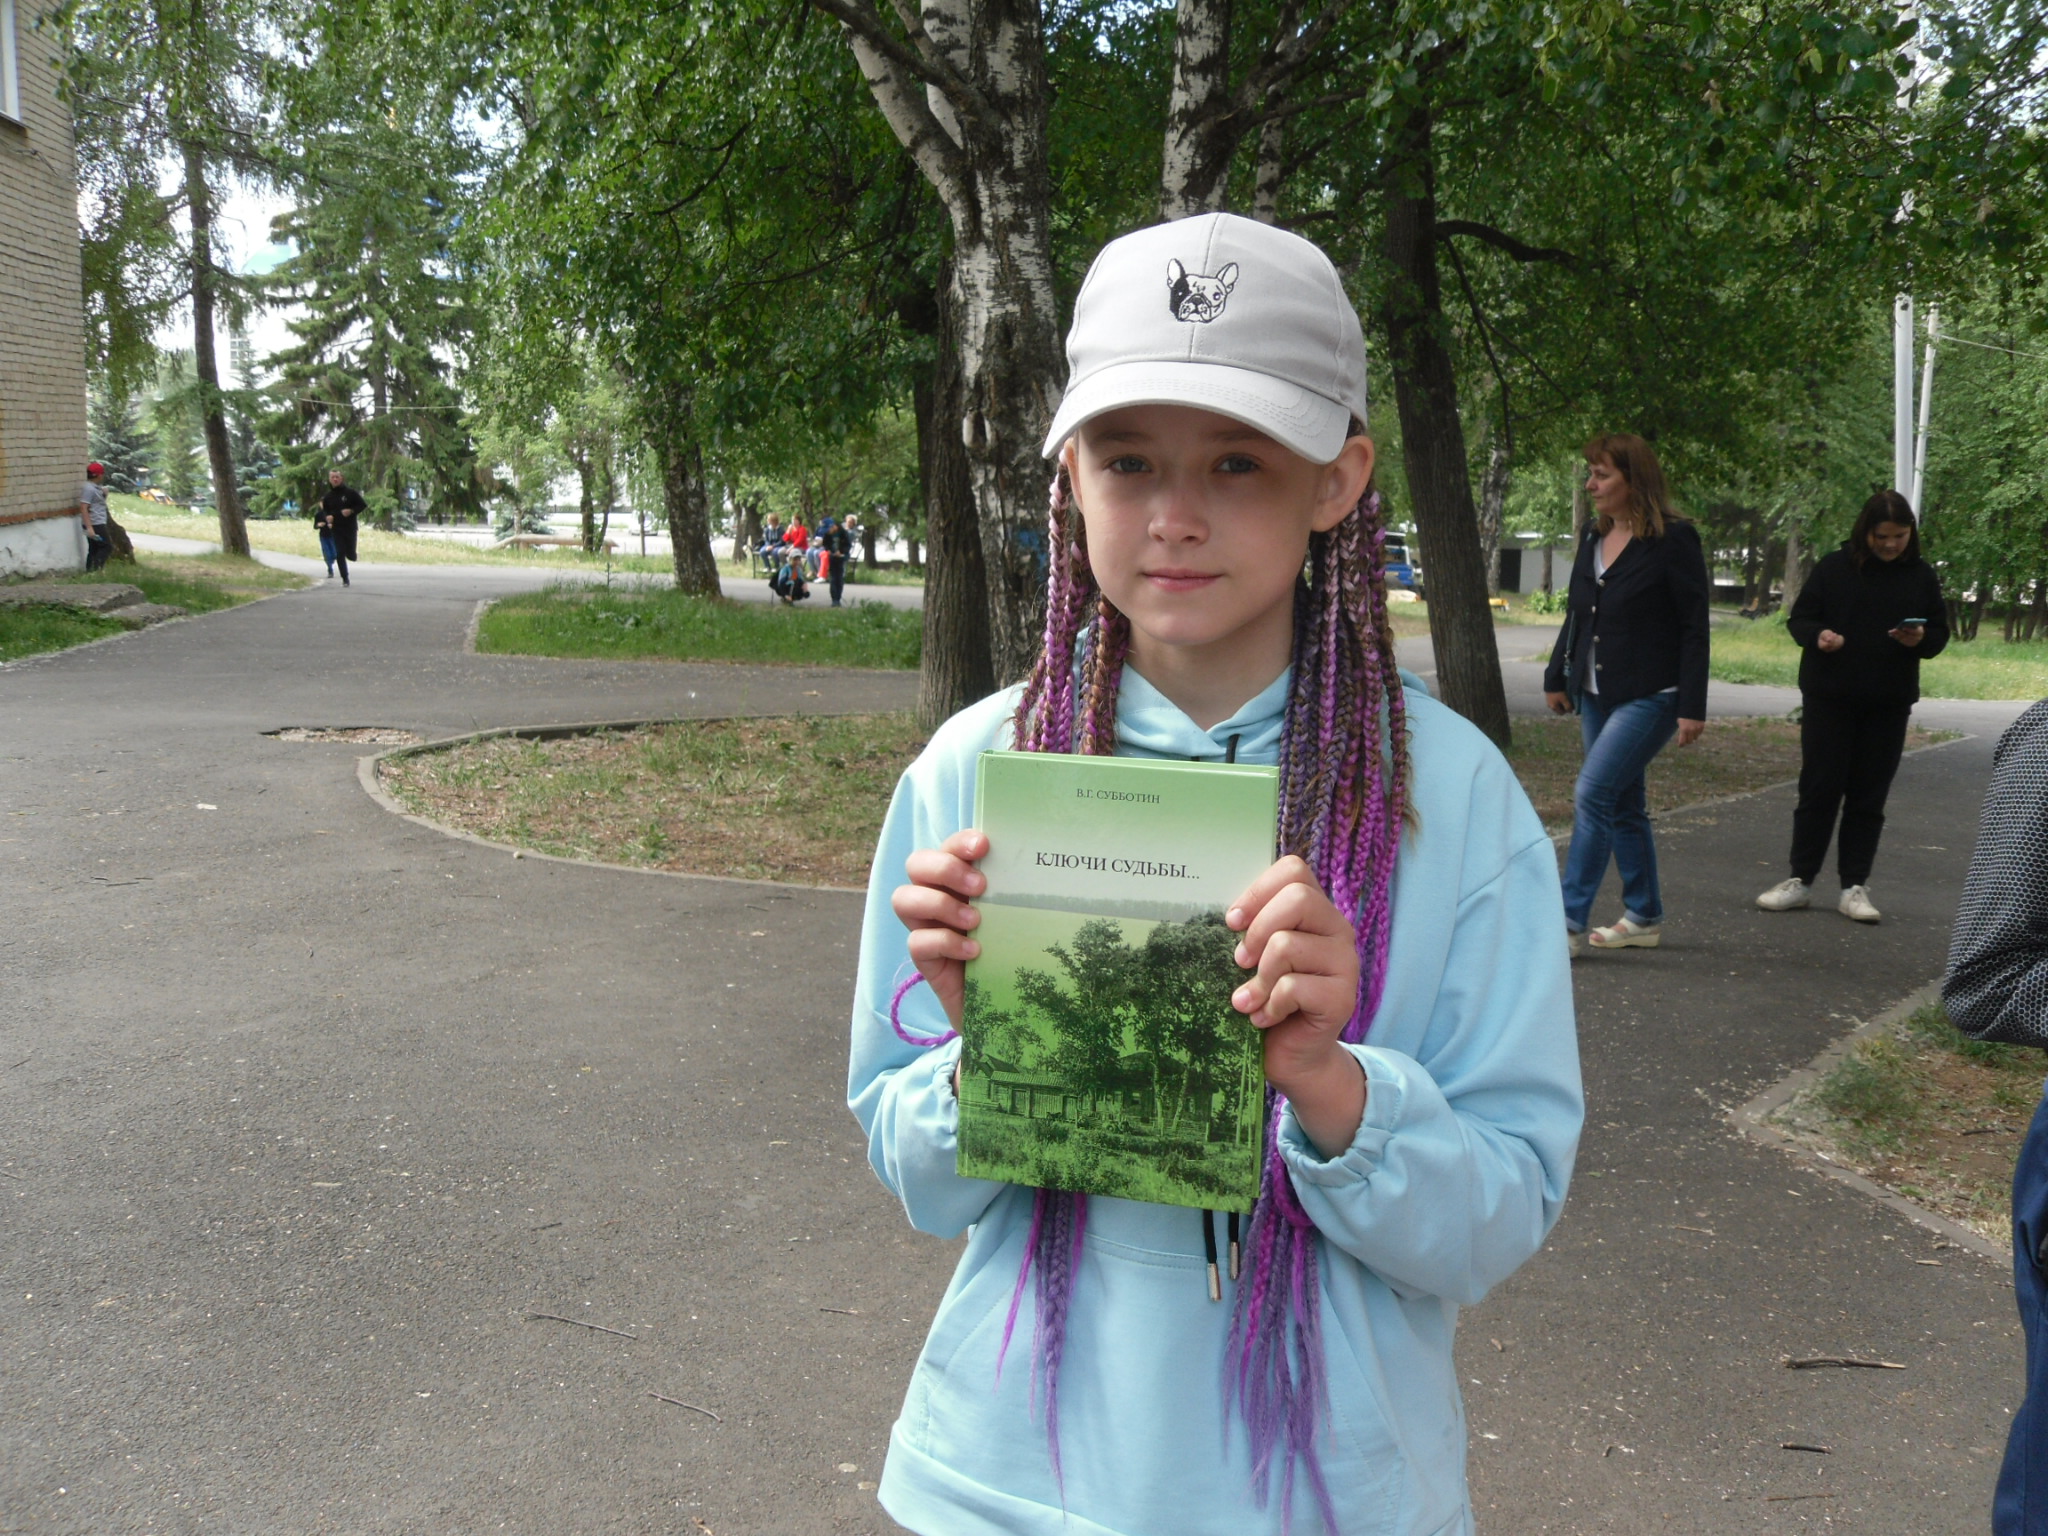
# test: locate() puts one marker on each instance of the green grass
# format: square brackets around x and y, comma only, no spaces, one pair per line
[856,576]
[295,536]
[1926,1110]
[196,583]
[34,631]
[656,624]
[1760,651]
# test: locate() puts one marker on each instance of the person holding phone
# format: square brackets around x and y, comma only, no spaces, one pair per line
[1866,618]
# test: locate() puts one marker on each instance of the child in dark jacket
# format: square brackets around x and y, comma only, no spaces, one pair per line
[1866,618]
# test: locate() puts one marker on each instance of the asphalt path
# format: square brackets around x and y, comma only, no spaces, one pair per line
[304,1108]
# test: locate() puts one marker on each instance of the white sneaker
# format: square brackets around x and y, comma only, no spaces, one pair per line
[1855,905]
[1574,943]
[1786,895]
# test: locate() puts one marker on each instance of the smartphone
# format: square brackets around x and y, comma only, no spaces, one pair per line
[1910,624]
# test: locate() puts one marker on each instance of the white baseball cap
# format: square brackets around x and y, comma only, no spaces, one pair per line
[1223,313]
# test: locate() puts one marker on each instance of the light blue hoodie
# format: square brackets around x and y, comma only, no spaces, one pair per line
[1453,1180]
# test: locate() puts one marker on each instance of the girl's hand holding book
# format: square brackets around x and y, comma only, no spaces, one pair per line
[1306,985]
[934,907]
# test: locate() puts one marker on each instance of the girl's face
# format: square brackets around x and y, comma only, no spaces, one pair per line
[1888,541]
[1197,528]
[1608,488]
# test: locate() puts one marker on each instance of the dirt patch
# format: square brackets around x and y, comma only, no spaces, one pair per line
[1925,1111]
[1734,757]
[366,735]
[800,799]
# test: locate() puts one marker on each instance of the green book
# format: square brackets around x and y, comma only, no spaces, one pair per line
[1100,1053]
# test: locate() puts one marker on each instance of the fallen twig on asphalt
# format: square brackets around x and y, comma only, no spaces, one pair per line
[691,1406]
[575,1322]
[1847,1361]
[1794,1445]
[842,1311]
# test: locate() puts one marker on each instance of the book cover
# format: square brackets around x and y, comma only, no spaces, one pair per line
[1100,1052]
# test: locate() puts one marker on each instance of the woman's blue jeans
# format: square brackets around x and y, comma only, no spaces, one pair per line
[1610,809]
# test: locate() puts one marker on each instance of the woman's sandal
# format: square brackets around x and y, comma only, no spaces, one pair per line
[1625,934]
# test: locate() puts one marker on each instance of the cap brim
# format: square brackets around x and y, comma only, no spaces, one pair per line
[1296,418]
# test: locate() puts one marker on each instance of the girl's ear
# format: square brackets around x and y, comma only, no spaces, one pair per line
[1344,481]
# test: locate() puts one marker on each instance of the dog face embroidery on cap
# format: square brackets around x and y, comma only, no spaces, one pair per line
[1196,298]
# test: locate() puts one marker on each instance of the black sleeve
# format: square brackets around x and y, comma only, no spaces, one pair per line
[1809,611]
[356,502]
[1937,637]
[1686,571]
[1997,982]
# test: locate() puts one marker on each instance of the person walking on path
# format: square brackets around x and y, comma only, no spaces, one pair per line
[93,513]
[1869,614]
[336,517]
[835,544]
[1996,988]
[1632,660]
[1213,594]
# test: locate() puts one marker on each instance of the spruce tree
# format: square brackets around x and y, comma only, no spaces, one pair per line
[118,441]
[384,294]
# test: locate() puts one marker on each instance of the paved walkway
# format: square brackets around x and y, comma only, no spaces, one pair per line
[304,1108]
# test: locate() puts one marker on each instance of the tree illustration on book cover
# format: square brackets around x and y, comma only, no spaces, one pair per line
[1100,1052]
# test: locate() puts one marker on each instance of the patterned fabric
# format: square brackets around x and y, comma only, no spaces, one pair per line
[1997,983]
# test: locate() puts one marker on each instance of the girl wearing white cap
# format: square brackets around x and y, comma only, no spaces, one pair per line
[1215,594]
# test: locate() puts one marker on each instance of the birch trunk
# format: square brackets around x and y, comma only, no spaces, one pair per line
[1201,134]
[1433,436]
[979,137]
[956,669]
[220,457]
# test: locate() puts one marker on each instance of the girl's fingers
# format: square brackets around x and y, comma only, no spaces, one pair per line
[1298,907]
[1277,878]
[920,907]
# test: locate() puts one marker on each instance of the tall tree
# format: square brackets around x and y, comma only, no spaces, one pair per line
[184,92]
[379,278]
[962,84]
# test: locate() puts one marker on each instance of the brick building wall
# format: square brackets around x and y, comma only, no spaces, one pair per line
[42,316]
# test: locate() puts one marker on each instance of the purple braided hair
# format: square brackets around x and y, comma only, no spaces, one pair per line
[1343,801]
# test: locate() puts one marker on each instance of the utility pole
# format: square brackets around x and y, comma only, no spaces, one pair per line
[1902,392]
[1926,398]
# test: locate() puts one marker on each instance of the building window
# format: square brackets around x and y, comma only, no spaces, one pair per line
[10,64]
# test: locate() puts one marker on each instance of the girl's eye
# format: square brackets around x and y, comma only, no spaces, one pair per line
[1238,464]
[1127,464]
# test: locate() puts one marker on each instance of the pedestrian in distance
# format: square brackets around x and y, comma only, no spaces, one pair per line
[335,516]
[788,583]
[1996,988]
[1631,661]
[835,546]
[769,550]
[1213,596]
[1869,614]
[93,513]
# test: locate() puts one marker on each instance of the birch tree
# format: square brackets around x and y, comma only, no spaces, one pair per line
[179,93]
[962,85]
[1210,114]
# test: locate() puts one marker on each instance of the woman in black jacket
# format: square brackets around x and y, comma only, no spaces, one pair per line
[1632,660]
[1866,618]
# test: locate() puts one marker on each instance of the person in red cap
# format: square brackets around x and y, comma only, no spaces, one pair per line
[93,513]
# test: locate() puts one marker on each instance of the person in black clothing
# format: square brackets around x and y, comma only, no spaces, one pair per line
[1632,661]
[835,544]
[1866,618]
[335,516]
